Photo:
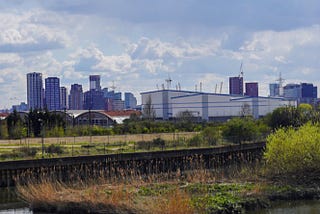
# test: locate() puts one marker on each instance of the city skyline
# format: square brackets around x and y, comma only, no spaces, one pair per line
[138,45]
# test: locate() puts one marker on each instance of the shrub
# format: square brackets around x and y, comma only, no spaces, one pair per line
[291,150]
[238,130]
[212,135]
[158,142]
[57,149]
[196,140]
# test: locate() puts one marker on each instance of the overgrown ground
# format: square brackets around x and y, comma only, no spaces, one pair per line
[31,148]
[233,190]
[290,171]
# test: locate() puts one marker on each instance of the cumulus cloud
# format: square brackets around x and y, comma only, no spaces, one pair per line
[150,55]
[23,33]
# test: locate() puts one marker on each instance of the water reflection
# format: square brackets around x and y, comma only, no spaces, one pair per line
[16,211]
[294,207]
[11,204]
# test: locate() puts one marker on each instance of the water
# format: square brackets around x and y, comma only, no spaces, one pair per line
[11,204]
[293,207]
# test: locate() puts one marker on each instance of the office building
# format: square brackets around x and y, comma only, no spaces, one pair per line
[34,91]
[21,107]
[130,100]
[94,100]
[236,85]
[117,105]
[94,82]
[274,89]
[302,93]
[76,97]
[308,93]
[252,89]
[63,98]
[52,93]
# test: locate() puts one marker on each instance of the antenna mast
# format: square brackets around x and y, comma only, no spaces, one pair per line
[280,80]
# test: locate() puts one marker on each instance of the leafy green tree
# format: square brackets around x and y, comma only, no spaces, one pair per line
[3,129]
[293,116]
[15,125]
[238,130]
[212,135]
[292,150]
[284,117]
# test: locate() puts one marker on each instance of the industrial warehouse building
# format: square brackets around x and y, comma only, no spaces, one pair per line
[167,104]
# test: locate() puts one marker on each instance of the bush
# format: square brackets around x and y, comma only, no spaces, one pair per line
[158,142]
[196,140]
[143,145]
[57,149]
[211,135]
[291,150]
[238,130]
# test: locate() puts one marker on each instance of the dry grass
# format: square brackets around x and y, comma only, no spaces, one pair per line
[115,195]
[104,139]
[121,193]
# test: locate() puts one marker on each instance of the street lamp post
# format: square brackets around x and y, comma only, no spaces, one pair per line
[42,136]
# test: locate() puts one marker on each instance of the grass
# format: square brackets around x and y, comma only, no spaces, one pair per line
[196,191]
[234,189]
[96,145]
[76,146]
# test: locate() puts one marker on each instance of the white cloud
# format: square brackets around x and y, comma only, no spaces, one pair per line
[20,32]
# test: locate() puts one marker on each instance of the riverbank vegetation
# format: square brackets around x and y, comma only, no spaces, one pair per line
[200,191]
[289,171]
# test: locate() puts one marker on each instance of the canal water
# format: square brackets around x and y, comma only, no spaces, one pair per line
[292,207]
[11,204]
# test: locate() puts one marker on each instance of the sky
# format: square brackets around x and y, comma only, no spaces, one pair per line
[137,45]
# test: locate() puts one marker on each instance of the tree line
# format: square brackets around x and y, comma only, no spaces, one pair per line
[239,129]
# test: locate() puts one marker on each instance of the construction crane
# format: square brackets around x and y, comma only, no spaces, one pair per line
[241,70]
[281,81]
[113,87]
[169,80]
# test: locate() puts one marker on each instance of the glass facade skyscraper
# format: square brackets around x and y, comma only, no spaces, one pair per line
[34,91]
[236,85]
[252,89]
[76,97]
[52,93]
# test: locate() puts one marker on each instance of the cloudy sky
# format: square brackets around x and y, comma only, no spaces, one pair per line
[138,44]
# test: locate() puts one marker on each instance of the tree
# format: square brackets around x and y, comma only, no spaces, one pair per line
[245,110]
[240,129]
[148,110]
[284,117]
[291,116]
[212,135]
[185,120]
[15,125]
[3,129]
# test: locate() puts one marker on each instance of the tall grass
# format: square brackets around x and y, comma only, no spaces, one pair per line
[127,191]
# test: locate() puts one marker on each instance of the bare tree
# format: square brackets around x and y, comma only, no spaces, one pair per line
[245,110]
[148,110]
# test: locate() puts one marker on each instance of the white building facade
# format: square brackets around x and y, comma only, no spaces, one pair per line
[167,104]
